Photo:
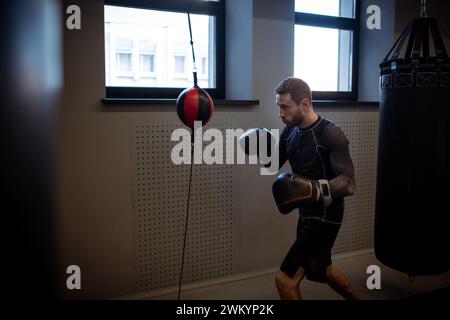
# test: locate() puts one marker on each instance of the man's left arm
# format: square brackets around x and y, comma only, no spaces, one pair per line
[292,190]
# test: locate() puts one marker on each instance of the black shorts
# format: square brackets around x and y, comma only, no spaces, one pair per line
[312,249]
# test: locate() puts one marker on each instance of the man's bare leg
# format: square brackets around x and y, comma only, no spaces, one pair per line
[339,283]
[289,288]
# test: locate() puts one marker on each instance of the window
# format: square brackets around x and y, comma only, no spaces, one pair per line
[326,47]
[147,63]
[123,49]
[123,63]
[148,52]
[179,65]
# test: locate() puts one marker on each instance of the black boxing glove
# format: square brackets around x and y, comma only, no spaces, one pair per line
[254,136]
[292,191]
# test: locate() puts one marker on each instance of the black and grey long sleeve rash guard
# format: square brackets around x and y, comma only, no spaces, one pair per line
[320,152]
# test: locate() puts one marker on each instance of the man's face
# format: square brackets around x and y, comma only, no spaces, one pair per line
[290,113]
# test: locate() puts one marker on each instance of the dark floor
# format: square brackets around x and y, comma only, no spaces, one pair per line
[260,286]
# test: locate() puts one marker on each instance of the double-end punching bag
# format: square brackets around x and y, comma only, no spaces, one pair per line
[193,104]
[412,219]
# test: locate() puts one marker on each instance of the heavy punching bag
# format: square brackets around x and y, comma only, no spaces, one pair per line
[412,229]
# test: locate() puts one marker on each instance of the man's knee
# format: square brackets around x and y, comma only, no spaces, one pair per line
[316,271]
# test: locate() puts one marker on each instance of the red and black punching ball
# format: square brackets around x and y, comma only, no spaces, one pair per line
[412,218]
[194,104]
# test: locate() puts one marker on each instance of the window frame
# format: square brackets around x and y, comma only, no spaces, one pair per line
[339,23]
[211,8]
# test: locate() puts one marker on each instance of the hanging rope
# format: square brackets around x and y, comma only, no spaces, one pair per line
[194,69]
[187,219]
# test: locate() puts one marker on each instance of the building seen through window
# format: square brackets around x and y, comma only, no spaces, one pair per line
[150,48]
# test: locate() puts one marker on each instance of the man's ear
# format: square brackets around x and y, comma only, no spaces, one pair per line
[306,102]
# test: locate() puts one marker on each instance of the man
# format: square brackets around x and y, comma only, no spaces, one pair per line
[323,175]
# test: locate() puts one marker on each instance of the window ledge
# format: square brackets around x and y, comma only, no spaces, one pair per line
[137,101]
[221,102]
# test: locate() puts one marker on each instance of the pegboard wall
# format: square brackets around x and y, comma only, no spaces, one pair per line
[160,191]
[357,228]
[160,194]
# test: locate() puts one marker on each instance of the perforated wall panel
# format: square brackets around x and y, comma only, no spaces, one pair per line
[357,229]
[160,194]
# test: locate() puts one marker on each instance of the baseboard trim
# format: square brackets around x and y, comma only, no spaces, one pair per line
[155,294]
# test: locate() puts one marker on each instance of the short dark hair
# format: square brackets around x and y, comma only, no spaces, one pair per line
[298,89]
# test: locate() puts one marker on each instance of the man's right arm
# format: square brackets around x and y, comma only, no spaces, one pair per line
[343,184]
